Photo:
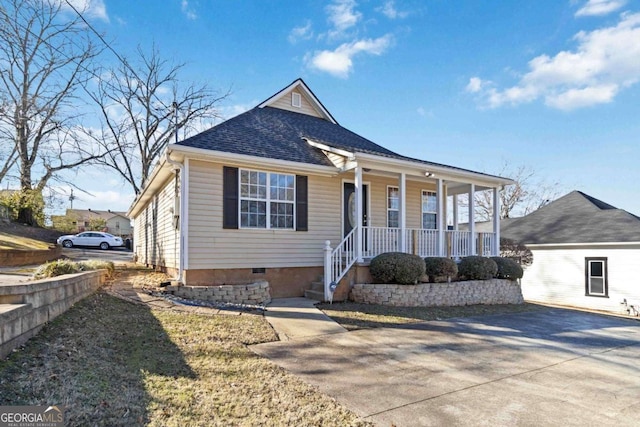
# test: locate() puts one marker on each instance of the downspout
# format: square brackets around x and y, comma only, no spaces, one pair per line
[177,166]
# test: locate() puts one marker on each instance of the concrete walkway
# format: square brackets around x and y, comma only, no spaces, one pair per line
[293,318]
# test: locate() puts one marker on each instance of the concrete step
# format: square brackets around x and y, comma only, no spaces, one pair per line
[317,286]
[315,295]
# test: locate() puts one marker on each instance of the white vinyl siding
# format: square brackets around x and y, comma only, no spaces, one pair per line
[378,200]
[284,103]
[212,247]
[156,240]
[557,276]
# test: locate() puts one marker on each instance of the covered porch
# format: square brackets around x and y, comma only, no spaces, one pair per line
[434,233]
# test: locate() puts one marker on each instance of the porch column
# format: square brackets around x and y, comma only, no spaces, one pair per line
[402,215]
[496,221]
[455,212]
[358,201]
[440,219]
[472,219]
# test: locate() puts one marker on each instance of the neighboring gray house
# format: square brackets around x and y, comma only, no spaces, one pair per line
[586,253]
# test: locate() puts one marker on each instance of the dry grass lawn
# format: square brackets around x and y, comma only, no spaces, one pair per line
[11,241]
[114,363]
[354,316]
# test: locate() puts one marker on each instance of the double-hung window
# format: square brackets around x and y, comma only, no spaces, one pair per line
[597,284]
[429,209]
[393,207]
[267,200]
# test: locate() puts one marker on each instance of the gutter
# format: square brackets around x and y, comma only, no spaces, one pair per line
[177,166]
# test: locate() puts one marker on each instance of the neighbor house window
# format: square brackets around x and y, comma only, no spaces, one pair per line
[267,200]
[429,208]
[393,207]
[596,277]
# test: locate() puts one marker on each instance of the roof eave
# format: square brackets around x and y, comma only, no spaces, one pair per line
[244,159]
[438,171]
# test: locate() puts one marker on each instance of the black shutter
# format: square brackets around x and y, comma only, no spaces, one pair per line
[229,197]
[302,211]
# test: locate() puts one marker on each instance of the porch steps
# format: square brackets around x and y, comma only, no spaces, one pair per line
[317,290]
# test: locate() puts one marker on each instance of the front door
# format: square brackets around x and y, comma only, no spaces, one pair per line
[349,206]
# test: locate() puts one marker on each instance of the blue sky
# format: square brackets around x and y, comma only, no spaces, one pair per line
[552,84]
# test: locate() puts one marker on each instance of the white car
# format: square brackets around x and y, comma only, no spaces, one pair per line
[90,238]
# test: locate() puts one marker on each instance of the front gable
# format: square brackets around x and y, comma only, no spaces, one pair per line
[298,98]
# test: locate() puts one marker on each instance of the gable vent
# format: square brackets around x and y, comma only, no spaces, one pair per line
[296,99]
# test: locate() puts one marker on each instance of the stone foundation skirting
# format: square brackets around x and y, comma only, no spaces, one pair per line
[252,294]
[26,307]
[494,291]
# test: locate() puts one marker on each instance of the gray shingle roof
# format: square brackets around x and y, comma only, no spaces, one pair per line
[575,218]
[278,134]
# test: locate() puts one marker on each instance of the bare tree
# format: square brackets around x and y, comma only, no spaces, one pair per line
[529,193]
[45,55]
[143,105]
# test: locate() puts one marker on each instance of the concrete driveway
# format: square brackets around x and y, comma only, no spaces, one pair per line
[549,368]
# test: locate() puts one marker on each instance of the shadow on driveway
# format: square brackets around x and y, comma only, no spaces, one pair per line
[548,367]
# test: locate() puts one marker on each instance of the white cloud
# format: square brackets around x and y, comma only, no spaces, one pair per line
[389,10]
[475,85]
[342,16]
[339,62]
[576,98]
[188,11]
[600,7]
[90,8]
[303,32]
[605,61]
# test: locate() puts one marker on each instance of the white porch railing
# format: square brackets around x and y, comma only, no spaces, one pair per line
[338,261]
[378,240]
[458,243]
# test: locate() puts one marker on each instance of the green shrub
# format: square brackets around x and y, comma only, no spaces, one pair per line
[440,267]
[508,268]
[98,265]
[56,268]
[66,266]
[396,267]
[477,268]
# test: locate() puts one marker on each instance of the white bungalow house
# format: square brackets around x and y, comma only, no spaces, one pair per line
[283,193]
[586,253]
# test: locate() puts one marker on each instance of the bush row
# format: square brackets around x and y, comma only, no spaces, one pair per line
[407,269]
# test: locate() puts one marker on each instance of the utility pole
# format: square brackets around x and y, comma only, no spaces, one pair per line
[71,198]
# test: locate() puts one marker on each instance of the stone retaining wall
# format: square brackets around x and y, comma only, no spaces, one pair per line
[26,307]
[252,294]
[16,257]
[494,291]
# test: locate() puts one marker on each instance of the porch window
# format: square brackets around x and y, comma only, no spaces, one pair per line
[266,200]
[596,279]
[393,207]
[429,209]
